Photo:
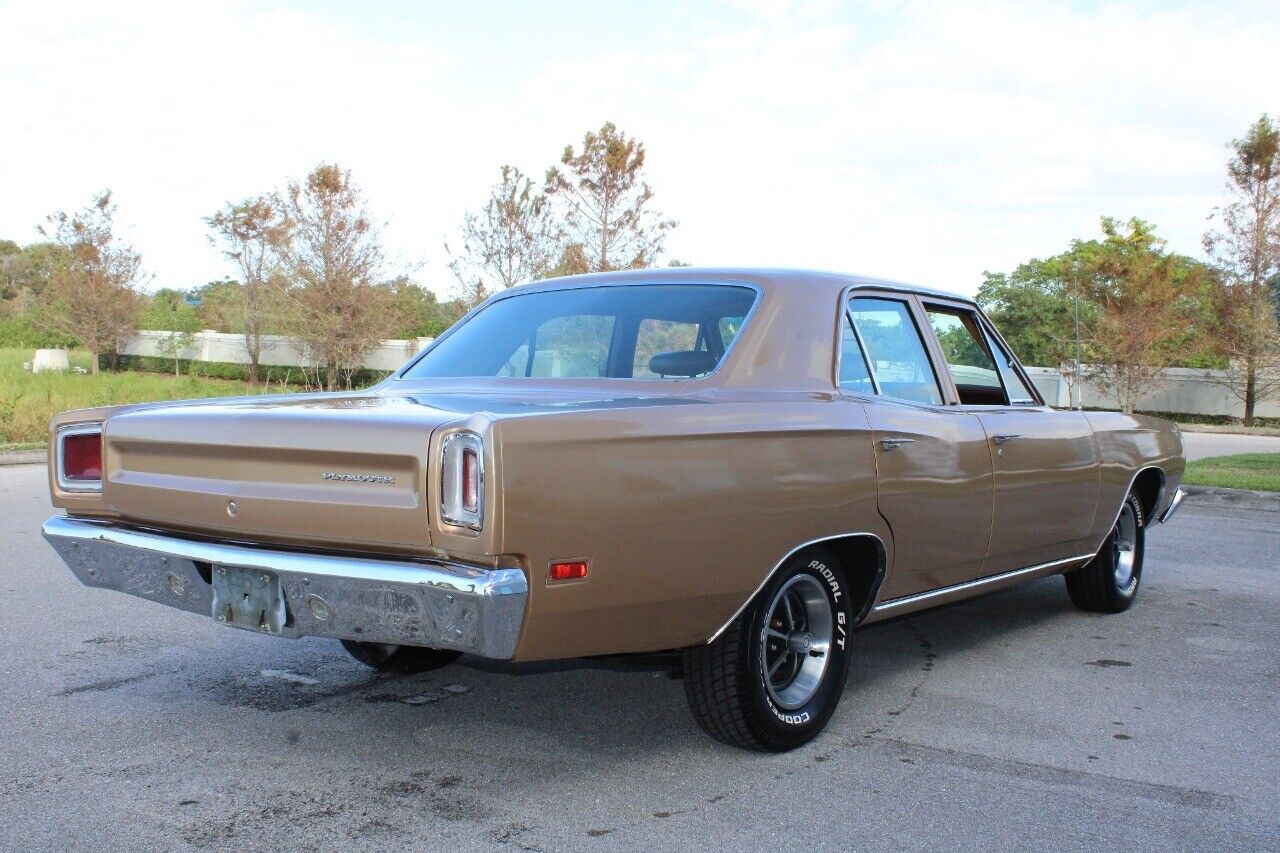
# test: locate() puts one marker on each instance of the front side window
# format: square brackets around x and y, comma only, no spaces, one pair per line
[895,349]
[642,331]
[1019,393]
[965,351]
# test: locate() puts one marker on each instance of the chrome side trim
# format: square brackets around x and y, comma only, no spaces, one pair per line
[881,568]
[431,603]
[974,585]
[88,428]
[1178,498]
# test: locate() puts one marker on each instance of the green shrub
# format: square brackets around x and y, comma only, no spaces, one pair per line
[19,331]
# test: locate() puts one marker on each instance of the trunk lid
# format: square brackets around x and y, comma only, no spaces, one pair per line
[348,471]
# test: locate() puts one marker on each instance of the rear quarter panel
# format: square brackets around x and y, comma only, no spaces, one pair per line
[682,510]
[1126,445]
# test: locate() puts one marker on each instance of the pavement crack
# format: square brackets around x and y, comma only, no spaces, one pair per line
[106,684]
[1098,783]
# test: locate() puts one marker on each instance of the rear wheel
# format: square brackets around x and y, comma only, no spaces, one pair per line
[1109,582]
[772,680]
[404,660]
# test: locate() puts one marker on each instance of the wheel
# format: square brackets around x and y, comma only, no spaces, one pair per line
[404,660]
[771,681]
[1109,582]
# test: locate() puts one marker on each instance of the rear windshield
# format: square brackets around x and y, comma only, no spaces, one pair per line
[646,331]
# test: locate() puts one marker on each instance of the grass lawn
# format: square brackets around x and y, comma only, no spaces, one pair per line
[1259,471]
[27,400]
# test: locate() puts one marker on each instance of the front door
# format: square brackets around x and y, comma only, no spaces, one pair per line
[1045,461]
[933,460]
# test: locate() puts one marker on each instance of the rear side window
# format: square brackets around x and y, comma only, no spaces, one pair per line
[895,349]
[854,373]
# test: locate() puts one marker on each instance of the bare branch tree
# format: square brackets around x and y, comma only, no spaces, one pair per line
[606,202]
[93,286]
[329,251]
[513,239]
[1247,252]
[247,233]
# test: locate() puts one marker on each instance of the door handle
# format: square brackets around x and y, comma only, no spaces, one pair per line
[1007,437]
[894,443]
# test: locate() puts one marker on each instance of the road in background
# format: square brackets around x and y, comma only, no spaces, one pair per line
[1010,720]
[1198,445]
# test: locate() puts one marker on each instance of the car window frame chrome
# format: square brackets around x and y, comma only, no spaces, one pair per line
[907,298]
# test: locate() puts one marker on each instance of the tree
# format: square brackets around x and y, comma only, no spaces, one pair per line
[1246,250]
[511,240]
[332,260]
[423,314]
[1148,301]
[1035,312]
[605,202]
[170,312]
[247,231]
[93,284]
[25,270]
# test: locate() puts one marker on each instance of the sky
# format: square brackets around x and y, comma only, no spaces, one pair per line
[923,142]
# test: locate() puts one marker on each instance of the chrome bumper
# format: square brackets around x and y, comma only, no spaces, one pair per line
[431,603]
[1178,498]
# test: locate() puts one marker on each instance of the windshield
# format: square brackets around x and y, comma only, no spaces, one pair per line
[646,331]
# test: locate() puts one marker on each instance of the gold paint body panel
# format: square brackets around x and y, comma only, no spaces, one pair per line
[684,494]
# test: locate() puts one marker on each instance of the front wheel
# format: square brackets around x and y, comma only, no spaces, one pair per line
[403,660]
[1109,582]
[773,679]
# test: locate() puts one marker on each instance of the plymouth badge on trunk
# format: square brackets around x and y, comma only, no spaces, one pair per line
[385,479]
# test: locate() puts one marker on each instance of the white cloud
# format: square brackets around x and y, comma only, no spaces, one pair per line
[920,141]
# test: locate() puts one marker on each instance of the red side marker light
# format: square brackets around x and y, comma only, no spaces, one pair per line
[82,457]
[568,571]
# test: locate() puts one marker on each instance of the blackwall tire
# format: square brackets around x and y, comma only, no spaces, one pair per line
[773,679]
[404,660]
[1109,582]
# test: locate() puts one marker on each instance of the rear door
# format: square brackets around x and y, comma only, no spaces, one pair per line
[1045,461]
[933,461]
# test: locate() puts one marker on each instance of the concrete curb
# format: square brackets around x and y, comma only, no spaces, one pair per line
[1215,429]
[1232,498]
[23,457]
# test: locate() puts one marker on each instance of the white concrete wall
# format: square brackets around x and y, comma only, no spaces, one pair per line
[1184,390]
[276,350]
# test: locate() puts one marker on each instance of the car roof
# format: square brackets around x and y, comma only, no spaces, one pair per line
[783,278]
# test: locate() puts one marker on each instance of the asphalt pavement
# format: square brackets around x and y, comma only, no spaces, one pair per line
[1198,445]
[1010,720]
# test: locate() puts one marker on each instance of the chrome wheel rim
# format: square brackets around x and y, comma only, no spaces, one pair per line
[795,644]
[1124,548]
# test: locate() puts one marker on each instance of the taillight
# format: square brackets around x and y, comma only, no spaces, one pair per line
[79,458]
[470,480]
[462,480]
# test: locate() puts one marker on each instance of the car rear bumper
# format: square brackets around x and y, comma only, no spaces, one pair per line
[429,603]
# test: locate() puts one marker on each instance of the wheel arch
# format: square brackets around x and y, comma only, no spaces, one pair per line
[1148,485]
[853,550]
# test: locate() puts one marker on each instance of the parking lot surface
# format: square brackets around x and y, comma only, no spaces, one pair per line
[1009,720]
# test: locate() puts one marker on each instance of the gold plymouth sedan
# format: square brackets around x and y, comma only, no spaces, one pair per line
[734,468]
